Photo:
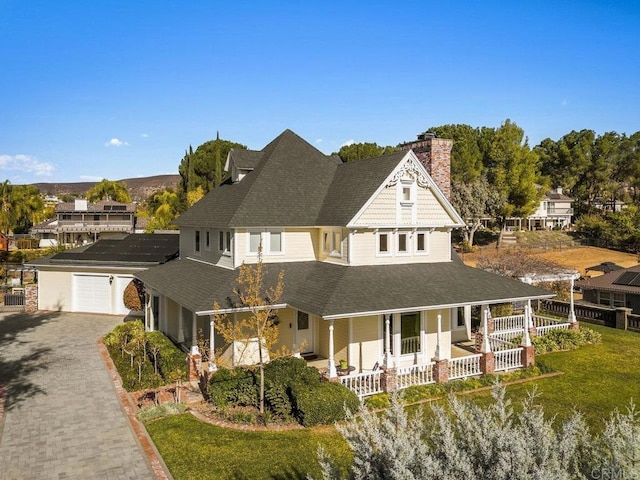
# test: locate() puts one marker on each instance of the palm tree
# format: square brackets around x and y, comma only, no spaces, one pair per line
[109,190]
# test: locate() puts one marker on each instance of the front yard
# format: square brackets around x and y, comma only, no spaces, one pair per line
[596,380]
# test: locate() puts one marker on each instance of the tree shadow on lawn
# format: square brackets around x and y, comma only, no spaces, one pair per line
[293,474]
[15,372]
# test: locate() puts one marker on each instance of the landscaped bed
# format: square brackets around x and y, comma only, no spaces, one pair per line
[596,380]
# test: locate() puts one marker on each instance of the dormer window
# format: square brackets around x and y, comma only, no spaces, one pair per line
[271,242]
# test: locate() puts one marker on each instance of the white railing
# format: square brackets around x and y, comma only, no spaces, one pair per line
[508,359]
[511,322]
[546,324]
[498,342]
[415,375]
[410,345]
[363,384]
[463,367]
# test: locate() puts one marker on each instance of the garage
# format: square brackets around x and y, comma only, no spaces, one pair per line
[91,293]
[92,279]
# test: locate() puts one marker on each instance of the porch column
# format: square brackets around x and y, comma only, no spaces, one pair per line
[526,338]
[332,362]
[212,347]
[152,314]
[194,334]
[438,354]
[147,312]
[180,326]
[387,340]
[485,347]
[572,313]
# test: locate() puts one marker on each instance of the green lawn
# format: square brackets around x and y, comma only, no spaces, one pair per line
[597,379]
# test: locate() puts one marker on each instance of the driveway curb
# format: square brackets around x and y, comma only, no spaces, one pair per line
[154,459]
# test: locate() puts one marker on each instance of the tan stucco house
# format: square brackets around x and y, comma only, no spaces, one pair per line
[365,247]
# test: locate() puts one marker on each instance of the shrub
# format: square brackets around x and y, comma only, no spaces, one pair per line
[323,404]
[291,370]
[502,310]
[277,400]
[171,360]
[132,352]
[236,387]
[558,340]
[133,296]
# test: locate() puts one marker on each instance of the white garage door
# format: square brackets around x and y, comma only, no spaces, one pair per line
[91,293]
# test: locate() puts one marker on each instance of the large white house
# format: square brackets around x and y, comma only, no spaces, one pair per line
[365,247]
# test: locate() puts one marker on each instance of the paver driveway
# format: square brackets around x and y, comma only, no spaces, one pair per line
[62,416]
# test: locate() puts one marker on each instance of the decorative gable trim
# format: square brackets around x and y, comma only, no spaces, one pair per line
[411,166]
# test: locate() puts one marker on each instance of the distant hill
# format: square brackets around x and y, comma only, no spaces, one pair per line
[139,188]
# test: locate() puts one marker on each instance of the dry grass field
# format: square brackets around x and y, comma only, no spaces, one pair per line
[577,258]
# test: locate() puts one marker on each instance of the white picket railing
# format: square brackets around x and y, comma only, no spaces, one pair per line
[498,342]
[363,384]
[511,322]
[508,359]
[463,367]
[415,375]
[546,324]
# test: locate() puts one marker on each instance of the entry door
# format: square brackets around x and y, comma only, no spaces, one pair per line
[304,331]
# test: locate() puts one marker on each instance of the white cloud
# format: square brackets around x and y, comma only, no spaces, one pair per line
[26,163]
[144,135]
[319,140]
[115,142]
[347,143]
[564,102]
[91,178]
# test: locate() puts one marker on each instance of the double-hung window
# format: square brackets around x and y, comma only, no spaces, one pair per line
[224,242]
[197,241]
[384,243]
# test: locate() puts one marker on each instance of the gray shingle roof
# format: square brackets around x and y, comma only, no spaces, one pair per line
[245,159]
[605,282]
[333,290]
[103,206]
[353,184]
[286,188]
[135,249]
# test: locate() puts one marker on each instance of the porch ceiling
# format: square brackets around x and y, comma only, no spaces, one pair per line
[333,291]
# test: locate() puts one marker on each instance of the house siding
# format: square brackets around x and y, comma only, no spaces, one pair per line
[430,211]
[382,211]
[431,333]
[54,291]
[364,249]
[300,245]
[366,346]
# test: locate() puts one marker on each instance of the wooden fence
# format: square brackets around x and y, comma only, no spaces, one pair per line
[584,313]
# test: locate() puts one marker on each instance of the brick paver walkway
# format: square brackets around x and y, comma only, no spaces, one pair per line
[62,418]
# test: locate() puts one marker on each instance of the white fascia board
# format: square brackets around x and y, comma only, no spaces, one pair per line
[434,307]
[224,311]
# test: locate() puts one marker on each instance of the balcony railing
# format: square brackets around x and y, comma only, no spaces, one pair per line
[363,384]
[508,359]
[415,375]
[464,367]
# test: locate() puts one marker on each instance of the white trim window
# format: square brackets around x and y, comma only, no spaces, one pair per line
[407,192]
[383,242]
[225,242]
[421,243]
[271,242]
[196,243]
[275,245]
[402,243]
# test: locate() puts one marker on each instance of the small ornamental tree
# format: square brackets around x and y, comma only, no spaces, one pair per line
[261,323]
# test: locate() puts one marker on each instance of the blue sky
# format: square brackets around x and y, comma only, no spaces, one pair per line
[120,89]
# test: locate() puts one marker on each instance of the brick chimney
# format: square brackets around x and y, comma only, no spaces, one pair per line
[435,154]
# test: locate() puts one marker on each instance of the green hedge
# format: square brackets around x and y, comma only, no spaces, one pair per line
[129,339]
[323,404]
[283,377]
[233,387]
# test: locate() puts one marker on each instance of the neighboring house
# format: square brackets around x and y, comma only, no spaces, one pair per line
[92,278]
[608,205]
[82,222]
[618,288]
[365,247]
[554,212]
